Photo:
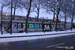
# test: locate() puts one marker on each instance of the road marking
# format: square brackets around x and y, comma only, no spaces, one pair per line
[55,45]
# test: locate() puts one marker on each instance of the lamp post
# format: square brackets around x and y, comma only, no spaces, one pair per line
[6,14]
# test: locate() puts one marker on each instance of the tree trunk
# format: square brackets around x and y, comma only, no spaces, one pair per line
[72,22]
[50,26]
[11,17]
[1,17]
[56,23]
[54,15]
[42,26]
[37,14]
[26,29]
[14,13]
[65,21]
[57,20]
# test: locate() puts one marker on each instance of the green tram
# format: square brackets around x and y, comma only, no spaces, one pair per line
[33,26]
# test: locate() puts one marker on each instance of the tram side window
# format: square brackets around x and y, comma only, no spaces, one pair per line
[31,25]
[27,25]
[46,25]
[14,25]
[21,25]
[37,25]
[40,25]
[51,26]
[58,26]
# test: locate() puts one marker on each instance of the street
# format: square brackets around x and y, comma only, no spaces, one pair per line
[56,43]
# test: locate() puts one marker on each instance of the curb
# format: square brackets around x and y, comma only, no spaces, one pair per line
[36,35]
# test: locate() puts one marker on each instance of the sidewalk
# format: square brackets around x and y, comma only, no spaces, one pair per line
[6,37]
[30,34]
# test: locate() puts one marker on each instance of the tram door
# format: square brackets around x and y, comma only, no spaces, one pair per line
[36,27]
[14,27]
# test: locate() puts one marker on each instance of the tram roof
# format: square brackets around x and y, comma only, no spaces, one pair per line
[22,21]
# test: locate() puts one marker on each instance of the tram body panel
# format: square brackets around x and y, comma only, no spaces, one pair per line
[19,26]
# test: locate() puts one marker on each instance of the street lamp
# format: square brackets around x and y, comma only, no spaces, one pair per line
[6,14]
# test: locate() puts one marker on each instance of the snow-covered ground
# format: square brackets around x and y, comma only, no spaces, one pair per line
[31,38]
[5,34]
[34,37]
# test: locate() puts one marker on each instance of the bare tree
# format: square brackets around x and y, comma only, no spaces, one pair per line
[73,7]
[26,30]
[2,6]
[65,8]
[36,5]
[15,5]
[53,5]
[27,5]
[68,8]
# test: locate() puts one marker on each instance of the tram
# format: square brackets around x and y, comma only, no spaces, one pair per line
[73,25]
[33,26]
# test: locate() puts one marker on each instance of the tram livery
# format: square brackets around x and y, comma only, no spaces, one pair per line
[33,26]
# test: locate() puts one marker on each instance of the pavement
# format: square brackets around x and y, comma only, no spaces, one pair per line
[33,35]
[7,37]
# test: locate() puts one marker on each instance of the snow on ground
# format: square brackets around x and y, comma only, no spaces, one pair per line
[31,38]
[34,37]
[33,33]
